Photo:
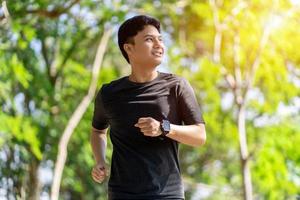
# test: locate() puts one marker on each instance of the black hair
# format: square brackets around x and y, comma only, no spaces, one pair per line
[131,27]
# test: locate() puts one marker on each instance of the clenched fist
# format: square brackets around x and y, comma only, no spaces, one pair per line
[99,173]
[149,126]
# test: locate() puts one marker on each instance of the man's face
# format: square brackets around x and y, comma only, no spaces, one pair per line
[148,48]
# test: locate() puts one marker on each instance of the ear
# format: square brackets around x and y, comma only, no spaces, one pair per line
[128,48]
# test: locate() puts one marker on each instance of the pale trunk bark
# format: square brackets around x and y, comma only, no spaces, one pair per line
[236,85]
[247,185]
[244,157]
[77,115]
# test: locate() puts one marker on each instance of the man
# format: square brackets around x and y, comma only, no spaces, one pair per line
[145,112]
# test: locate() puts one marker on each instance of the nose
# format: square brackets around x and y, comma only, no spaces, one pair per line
[158,43]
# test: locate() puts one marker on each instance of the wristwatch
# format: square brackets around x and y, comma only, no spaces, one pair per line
[165,127]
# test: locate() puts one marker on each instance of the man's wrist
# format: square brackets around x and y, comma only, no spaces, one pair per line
[100,161]
[165,127]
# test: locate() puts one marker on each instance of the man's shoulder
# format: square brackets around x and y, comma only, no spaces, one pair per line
[171,77]
[123,80]
[174,79]
[108,87]
[121,84]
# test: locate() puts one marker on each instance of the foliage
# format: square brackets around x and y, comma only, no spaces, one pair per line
[46,53]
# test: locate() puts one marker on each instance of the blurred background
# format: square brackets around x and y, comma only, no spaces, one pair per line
[241,57]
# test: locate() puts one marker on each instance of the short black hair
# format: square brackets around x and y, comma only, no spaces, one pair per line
[131,27]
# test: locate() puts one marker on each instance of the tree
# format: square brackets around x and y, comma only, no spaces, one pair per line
[77,115]
[235,43]
[238,55]
[41,67]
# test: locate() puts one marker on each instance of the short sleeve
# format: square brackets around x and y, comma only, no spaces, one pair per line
[100,120]
[189,110]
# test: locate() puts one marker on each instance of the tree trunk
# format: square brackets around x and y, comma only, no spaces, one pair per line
[33,187]
[77,115]
[247,185]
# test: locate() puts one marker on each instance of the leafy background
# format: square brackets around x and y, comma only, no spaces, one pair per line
[230,51]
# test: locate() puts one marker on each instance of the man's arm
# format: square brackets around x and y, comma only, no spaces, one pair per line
[99,142]
[193,135]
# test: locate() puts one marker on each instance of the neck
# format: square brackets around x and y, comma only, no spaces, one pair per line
[142,75]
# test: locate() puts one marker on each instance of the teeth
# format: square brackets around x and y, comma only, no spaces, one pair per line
[158,54]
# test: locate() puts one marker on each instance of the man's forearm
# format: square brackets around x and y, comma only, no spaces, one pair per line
[193,135]
[99,142]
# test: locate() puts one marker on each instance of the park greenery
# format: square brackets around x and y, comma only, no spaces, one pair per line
[240,56]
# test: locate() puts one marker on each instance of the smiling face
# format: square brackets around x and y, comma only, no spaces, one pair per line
[147,49]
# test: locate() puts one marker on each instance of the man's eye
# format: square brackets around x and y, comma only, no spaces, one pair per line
[148,39]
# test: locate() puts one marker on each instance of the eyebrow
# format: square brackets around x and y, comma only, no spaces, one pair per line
[151,35]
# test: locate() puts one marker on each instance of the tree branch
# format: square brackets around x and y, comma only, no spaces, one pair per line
[4,19]
[69,53]
[256,63]
[217,46]
[44,54]
[77,115]
[237,71]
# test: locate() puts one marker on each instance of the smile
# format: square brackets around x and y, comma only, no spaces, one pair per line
[157,54]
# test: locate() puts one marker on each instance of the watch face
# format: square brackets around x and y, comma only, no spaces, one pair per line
[166,126]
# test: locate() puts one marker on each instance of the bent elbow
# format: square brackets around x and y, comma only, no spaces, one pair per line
[201,140]
[202,136]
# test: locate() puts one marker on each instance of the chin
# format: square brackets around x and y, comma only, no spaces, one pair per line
[156,63]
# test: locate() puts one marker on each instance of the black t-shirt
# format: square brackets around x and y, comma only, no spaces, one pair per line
[145,167]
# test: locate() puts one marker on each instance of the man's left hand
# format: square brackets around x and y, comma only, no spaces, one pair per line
[149,126]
